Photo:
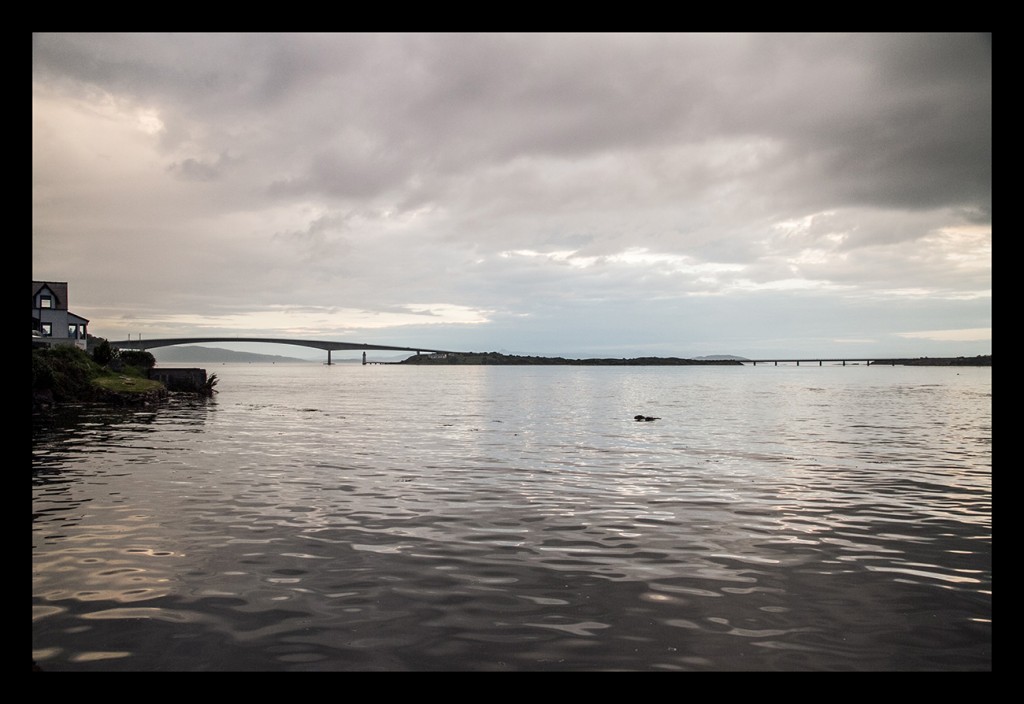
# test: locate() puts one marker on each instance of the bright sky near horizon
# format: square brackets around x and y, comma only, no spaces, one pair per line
[546,194]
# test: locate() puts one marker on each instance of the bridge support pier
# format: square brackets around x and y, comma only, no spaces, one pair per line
[328,357]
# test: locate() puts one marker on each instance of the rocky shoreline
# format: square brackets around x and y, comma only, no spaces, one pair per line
[44,400]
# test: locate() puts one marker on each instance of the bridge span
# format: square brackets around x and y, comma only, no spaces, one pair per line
[329,345]
[820,360]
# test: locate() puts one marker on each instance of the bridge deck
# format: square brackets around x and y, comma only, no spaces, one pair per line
[334,345]
[329,345]
[821,360]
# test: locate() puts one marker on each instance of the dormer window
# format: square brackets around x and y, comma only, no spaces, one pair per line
[45,301]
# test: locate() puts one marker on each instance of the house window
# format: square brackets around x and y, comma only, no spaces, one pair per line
[47,329]
[45,301]
[73,331]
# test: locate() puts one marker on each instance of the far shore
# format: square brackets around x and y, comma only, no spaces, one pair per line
[495,358]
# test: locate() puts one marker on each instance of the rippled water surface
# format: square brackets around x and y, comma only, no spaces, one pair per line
[349,517]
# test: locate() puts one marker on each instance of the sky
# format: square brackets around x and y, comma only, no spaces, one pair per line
[580,195]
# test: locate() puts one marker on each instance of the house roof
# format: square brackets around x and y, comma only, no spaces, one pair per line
[59,290]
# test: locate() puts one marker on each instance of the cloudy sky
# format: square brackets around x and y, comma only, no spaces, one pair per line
[555,194]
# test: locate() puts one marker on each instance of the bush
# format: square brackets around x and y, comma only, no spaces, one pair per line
[208,389]
[102,353]
[138,358]
[64,370]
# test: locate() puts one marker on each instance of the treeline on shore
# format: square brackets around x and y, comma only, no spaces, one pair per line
[498,358]
[981,360]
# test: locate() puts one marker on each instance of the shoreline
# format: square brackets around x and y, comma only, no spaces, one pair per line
[495,358]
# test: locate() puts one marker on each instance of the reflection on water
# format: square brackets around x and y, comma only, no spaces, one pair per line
[501,518]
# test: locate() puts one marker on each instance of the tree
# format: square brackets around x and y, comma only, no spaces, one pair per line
[102,353]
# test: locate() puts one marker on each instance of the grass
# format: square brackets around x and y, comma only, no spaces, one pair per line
[124,383]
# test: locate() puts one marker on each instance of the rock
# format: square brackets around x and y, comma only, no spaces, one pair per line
[42,399]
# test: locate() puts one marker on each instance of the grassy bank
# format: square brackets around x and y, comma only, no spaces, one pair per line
[64,373]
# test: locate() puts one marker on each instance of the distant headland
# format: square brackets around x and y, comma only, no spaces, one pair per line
[510,359]
[497,358]
[981,360]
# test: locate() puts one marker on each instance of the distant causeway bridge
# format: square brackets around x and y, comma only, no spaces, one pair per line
[333,345]
[821,361]
[329,345]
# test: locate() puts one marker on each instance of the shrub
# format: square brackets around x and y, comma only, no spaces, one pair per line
[208,389]
[138,358]
[64,370]
[102,353]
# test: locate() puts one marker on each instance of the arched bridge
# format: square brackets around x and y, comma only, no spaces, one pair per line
[329,345]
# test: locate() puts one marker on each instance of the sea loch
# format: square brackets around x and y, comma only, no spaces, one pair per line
[475,518]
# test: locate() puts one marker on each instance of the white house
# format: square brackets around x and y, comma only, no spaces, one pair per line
[52,322]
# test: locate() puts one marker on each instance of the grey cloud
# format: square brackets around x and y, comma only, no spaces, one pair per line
[391,169]
[881,120]
[192,169]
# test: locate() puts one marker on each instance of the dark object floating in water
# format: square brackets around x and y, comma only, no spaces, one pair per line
[641,418]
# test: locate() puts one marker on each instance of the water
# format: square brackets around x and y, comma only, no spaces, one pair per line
[393,518]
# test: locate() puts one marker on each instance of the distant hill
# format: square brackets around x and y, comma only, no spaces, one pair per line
[186,354]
